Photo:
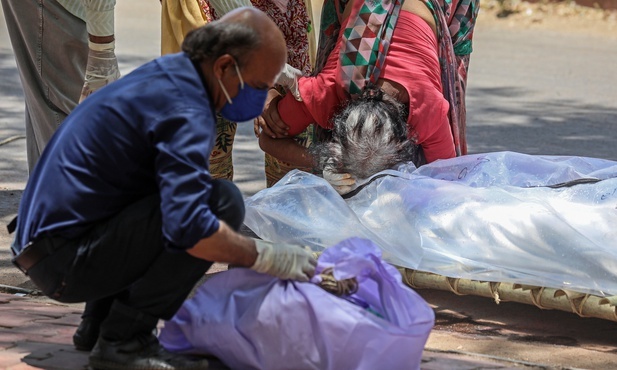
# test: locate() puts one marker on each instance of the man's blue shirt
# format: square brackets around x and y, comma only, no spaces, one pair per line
[150,132]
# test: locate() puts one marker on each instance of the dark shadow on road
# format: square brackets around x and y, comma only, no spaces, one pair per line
[9,78]
[555,127]
[12,97]
[9,201]
[13,166]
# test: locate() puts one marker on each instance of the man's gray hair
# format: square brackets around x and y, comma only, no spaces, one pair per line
[369,136]
[209,42]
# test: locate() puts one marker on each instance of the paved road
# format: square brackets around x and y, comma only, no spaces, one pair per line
[536,92]
[542,93]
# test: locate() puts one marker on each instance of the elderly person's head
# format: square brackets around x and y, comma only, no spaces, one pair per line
[369,136]
[241,56]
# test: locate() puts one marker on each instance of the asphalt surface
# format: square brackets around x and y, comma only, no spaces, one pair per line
[530,91]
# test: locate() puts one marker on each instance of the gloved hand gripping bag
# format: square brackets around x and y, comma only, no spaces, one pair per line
[254,321]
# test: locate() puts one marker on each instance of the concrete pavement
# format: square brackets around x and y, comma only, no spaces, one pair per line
[536,92]
[36,332]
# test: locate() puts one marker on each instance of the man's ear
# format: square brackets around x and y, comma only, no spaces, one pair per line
[223,65]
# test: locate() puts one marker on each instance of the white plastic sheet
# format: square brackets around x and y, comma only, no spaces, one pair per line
[489,217]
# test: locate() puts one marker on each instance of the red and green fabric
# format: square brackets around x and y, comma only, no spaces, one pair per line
[455,24]
[367,39]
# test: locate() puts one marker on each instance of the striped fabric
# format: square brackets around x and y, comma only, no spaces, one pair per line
[98,14]
[455,24]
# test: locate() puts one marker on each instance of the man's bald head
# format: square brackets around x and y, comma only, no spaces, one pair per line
[240,33]
[258,20]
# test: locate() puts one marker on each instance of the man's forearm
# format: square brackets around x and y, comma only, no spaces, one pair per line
[285,261]
[226,246]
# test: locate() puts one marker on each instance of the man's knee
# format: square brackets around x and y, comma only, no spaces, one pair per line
[227,203]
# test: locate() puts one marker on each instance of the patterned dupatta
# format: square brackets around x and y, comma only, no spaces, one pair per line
[366,39]
[455,24]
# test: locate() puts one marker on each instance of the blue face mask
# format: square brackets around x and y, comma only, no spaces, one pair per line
[248,104]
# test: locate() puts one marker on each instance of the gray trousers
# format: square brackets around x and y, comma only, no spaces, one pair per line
[51,50]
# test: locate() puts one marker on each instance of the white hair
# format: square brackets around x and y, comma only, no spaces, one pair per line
[369,136]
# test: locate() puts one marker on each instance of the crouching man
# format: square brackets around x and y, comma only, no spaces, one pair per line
[121,212]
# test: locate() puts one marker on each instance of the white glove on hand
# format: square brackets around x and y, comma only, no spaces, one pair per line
[341,182]
[102,68]
[289,80]
[285,261]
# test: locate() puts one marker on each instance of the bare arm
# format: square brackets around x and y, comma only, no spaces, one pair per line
[286,150]
[273,139]
[270,123]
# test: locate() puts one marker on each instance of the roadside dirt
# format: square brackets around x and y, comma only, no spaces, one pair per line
[564,16]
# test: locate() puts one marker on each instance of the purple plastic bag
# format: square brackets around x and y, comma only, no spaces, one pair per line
[254,321]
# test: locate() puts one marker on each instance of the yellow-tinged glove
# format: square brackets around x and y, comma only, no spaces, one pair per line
[102,68]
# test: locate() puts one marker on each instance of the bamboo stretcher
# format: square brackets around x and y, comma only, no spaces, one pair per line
[584,305]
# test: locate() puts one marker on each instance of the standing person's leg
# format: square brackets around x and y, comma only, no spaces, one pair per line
[221,159]
[295,23]
[51,51]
